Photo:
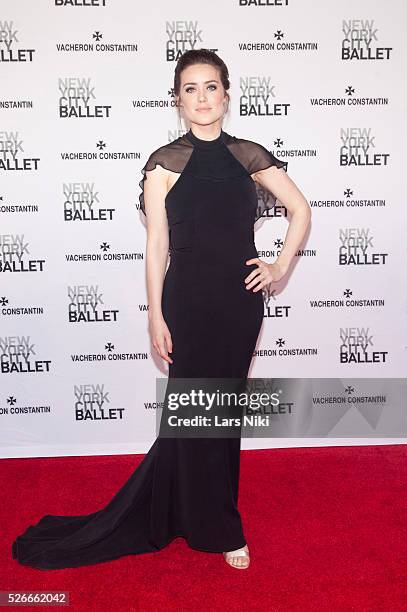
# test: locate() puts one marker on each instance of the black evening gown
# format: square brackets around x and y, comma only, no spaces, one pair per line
[184,487]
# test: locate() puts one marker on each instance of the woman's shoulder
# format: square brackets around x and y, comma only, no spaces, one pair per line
[254,155]
[170,155]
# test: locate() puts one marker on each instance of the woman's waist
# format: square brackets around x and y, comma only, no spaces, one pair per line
[213,263]
[215,238]
[208,254]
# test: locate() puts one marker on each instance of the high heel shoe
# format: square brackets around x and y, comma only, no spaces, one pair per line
[233,554]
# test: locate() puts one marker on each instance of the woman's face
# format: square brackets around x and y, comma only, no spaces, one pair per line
[202,95]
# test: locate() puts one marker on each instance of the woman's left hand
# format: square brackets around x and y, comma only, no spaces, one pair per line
[263,275]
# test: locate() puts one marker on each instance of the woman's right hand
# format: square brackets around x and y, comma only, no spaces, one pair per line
[161,337]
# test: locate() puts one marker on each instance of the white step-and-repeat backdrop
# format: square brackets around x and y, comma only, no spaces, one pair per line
[86,95]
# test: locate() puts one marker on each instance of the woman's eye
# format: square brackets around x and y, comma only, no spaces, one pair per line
[188,89]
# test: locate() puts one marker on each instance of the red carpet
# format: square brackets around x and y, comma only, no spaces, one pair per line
[326,528]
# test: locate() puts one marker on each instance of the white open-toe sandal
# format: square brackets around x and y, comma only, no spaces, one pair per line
[242,552]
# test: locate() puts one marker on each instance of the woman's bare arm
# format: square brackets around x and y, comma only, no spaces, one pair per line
[277,181]
[155,190]
[286,191]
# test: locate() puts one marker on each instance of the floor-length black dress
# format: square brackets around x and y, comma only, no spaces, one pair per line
[184,487]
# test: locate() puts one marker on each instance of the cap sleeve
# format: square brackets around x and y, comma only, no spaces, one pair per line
[172,156]
[156,158]
[261,159]
[255,157]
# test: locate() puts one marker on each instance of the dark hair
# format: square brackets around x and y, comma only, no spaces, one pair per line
[200,56]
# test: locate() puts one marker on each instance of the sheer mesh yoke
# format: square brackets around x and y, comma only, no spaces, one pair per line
[252,156]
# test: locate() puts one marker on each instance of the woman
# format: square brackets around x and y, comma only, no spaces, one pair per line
[205,314]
